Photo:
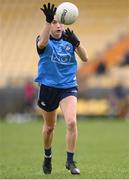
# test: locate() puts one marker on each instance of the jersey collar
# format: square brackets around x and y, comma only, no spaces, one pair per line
[52,38]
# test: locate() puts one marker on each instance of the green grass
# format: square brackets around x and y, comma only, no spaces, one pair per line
[102,150]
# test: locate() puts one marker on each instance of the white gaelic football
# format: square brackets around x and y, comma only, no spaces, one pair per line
[67,13]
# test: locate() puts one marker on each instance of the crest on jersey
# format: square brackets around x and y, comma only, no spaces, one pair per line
[62,54]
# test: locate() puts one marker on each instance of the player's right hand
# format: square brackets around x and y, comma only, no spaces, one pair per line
[49,11]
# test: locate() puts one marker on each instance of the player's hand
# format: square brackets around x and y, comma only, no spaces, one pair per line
[49,11]
[71,37]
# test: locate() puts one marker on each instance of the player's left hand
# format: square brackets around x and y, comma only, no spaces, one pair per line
[71,37]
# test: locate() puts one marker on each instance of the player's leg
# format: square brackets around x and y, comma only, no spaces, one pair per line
[68,106]
[48,102]
[48,128]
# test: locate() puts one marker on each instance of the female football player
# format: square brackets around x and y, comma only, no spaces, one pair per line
[57,69]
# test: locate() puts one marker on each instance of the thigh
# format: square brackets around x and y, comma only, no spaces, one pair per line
[68,106]
[49,117]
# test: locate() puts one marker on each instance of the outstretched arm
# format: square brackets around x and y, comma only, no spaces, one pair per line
[44,36]
[81,52]
[49,12]
[73,39]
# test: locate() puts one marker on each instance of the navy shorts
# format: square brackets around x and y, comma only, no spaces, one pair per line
[49,97]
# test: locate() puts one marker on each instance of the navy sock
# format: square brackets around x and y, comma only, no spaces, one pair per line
[48,152]
[70,156]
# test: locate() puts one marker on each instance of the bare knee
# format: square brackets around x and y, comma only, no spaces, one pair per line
[71,123]
[48,129]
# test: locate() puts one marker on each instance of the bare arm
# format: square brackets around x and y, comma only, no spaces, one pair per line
[49,11]
[79,49]
[44,36]
[81,52]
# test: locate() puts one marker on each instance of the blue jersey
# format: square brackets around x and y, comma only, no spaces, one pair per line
[57,65]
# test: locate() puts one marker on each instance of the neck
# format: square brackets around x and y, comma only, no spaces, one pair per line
[56,36]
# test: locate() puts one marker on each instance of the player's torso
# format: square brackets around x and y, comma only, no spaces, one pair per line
[58,65]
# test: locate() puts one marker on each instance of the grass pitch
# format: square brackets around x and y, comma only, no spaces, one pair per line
[102,150]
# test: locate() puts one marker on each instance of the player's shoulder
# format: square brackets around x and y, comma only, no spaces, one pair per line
[39,50]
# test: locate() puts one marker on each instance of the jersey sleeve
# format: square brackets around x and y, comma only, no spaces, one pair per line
[40,51]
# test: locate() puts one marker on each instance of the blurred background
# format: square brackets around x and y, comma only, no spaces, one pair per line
[103,28]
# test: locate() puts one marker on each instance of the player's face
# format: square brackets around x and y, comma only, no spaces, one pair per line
[56,28]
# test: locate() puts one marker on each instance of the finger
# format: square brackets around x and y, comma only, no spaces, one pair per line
[67,33]
[68,30]
[48,6]
[42,10]
[45,7]
[55,10]
[52,7]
